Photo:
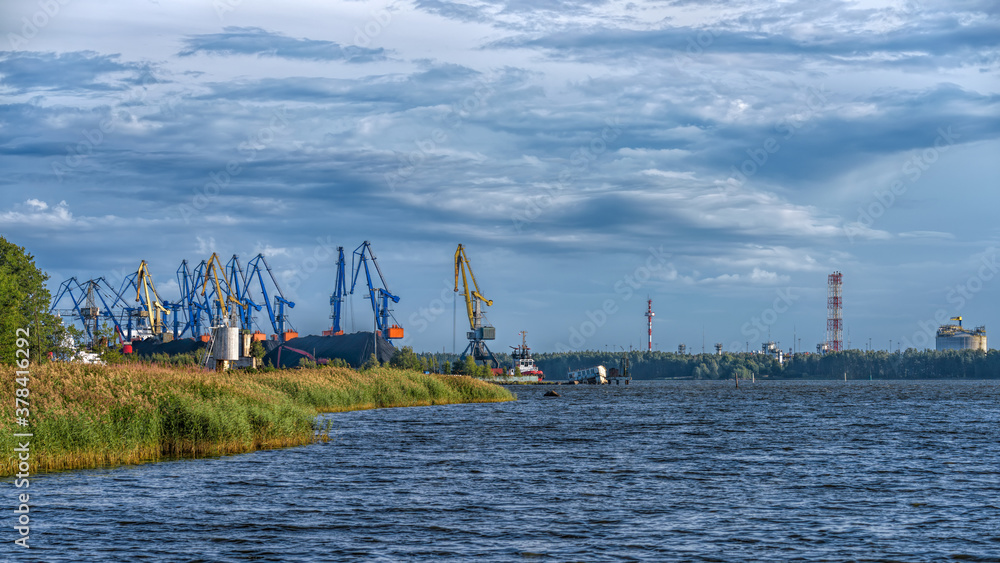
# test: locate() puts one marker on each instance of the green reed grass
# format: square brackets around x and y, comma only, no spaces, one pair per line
[91,416]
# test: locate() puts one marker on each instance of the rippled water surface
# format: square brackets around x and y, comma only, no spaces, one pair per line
[658,471]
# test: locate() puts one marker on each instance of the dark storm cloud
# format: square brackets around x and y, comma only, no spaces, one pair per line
[454,10]
[432,86]
[819,147]
[78,70]
[263,43]
[484,12]
[482,137]
[923,44]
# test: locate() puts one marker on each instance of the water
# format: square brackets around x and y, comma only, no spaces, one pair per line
[661,471]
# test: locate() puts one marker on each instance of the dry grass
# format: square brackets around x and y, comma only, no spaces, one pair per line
[90,416]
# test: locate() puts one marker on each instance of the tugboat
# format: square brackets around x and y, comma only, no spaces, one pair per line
[523,360]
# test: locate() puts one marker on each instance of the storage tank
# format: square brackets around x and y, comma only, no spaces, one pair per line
[227,343]
[954,337]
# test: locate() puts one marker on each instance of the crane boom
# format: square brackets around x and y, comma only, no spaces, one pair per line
[474,302]
[275,313]
[380,296]
[153,307]
[212,270]
[339,290]
[462,264]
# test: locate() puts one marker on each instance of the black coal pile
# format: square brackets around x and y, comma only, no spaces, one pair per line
[354,348]
[151,346]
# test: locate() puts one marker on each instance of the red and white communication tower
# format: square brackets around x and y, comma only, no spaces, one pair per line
[834,313]
[649,315]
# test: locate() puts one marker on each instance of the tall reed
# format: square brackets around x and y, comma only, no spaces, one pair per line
[90,416]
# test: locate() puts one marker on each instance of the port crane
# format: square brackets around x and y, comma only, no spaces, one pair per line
[186,308]
[238,284]
[481,330]
[380,296]
[213,271]
[90,303]
[275,314]
[146,317]
[339,291]
[150,306]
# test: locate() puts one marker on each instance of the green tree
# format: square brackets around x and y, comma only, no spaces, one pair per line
[404,358]
[339,363]
[24,304]
[372,363]
[469,367]
[257,350]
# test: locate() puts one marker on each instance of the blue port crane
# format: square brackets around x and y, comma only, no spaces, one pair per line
[90,304]
[339,291]
[186,308]
[275,313]
[198,309]
[240,287]
[380,296]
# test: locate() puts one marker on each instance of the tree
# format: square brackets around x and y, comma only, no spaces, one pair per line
[24,303]
[257,350]
[404,358]
[469,367]
[372,363]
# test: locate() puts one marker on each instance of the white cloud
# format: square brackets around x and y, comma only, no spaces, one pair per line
[38,214]
[206,246]
[927,234]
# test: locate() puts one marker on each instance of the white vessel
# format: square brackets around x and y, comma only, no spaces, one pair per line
[596,375]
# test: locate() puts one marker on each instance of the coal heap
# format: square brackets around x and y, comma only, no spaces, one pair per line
[354,348]
[151,346]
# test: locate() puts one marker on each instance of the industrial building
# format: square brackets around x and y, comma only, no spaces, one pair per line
[954,337]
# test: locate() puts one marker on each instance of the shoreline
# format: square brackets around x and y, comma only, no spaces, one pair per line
[89,416]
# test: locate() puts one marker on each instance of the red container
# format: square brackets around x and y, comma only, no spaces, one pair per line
[127,349]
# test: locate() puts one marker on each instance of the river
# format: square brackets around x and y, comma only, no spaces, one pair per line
[657,471]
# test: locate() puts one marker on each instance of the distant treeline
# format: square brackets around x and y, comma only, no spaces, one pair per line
[857,364]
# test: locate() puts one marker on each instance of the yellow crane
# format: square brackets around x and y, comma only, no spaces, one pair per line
[474,302]
[212,270]
[146,295]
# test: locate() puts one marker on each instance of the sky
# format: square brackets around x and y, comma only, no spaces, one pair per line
[719,158]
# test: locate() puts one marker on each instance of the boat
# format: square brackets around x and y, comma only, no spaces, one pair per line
[596,375]
[522,368]
[523,362]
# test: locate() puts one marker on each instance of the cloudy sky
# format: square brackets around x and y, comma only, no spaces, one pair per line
[721,158]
